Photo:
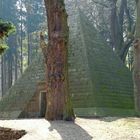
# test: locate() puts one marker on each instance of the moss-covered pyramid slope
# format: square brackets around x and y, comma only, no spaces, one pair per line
[100,84]
[14,102]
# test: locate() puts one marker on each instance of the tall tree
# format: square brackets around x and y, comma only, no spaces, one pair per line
[136,72]
[120,32]
[58,99]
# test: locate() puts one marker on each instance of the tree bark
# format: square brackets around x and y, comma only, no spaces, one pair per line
[58,99]
[136,72]
[10,70]
[2,76]
[21,39]
[16,61]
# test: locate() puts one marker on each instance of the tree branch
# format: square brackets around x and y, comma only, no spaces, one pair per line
[100,3]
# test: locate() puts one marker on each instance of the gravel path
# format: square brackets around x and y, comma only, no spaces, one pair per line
[83,129]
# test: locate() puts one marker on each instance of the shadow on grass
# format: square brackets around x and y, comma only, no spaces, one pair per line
[69,131]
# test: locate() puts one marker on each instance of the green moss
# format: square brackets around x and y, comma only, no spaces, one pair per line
[100,79]
[68,111]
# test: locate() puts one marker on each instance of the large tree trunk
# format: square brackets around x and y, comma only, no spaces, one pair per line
[58,99]
[136,72]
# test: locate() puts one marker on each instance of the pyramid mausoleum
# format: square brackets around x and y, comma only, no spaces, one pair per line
[99,83]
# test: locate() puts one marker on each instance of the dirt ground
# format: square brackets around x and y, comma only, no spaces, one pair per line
[9,134]
[83,129]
